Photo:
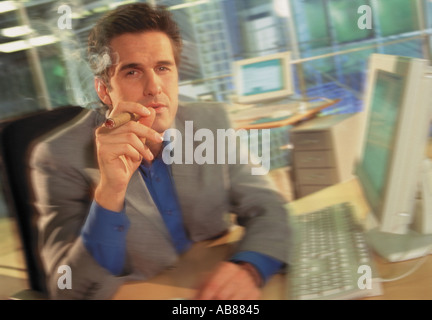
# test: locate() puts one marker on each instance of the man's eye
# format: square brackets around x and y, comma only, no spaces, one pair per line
[132,73]
[162,69]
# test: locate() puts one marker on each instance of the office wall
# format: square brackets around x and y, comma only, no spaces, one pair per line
[216,32]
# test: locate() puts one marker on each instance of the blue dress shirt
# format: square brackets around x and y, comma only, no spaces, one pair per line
[157,177]
[104,232]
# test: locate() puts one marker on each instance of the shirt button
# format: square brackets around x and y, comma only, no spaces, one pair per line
[119,228]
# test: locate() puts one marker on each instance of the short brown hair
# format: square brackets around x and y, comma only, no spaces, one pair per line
[130,18]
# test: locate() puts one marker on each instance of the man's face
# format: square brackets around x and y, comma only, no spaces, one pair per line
[144,71]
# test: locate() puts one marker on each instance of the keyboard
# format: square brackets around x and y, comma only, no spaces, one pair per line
[330,258]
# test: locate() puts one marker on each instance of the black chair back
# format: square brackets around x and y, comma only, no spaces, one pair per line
[17,138]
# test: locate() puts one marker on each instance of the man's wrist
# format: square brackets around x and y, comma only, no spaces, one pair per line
[252,270]
[113,201]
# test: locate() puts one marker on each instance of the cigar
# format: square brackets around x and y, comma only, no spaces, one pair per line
[121,119]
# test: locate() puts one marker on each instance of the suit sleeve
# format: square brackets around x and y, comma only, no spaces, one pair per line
[104,236]
[63,199]
[260,208]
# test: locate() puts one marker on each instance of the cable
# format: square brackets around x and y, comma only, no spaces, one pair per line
[409,272]
[13,268]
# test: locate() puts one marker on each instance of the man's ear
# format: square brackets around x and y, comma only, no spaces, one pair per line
[102,91]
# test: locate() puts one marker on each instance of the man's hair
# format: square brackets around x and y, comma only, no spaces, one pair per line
[131,18]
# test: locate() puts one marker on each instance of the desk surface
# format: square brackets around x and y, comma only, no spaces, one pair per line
[198,262]
[246,118]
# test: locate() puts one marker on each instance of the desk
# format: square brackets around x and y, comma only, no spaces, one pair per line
[245,119]
[192,268]
[204,256]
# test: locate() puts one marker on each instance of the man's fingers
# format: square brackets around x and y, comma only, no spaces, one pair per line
[148,120]
[241,287]
[140,130]
[130,107]
[228,281]
[111,144]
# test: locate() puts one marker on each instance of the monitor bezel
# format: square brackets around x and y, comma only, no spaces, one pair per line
[395,208]
[288,86]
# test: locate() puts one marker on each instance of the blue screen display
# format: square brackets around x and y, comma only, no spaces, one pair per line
[384,113]
[262,77]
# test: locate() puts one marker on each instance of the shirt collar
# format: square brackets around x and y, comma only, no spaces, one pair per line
[157,162]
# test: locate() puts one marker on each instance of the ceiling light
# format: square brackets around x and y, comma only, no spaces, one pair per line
[6,6]
[186,5]
[27,44]
[117,4]
[16,31]
[281,8]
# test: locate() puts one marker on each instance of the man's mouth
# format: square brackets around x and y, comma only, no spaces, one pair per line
[159,108]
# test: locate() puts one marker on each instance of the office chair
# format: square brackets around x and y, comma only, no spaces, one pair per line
[17,138]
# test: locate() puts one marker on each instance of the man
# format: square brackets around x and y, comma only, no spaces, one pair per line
[113,210]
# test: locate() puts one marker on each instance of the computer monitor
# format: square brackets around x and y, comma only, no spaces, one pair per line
[398,105]
[264,78]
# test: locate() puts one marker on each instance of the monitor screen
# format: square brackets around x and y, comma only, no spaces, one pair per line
[263,78]
[384,111]
[398,113]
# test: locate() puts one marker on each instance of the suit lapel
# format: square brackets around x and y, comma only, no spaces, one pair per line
[94,175]
[185,176]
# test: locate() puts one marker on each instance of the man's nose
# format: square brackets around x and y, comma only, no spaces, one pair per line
[152,85]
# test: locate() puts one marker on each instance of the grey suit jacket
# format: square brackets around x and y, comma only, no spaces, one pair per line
[64,174]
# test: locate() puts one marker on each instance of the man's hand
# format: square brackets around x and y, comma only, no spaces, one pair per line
[120,152]
[230,281]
